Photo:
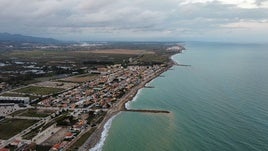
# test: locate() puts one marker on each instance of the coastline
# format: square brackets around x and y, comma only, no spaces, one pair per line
[120,106]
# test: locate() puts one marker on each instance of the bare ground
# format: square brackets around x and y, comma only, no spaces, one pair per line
[56,138]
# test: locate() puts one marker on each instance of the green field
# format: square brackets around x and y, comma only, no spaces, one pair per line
[33,113]
[38,90]
[153,59]
[32,133]
[81,140]
[79,78]
[11,127]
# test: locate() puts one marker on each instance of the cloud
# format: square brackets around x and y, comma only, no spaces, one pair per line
[260,26]
[249,4]
[135,19]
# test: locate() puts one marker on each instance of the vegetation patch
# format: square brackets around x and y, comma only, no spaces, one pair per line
[82,140]
[32,133]
[11,127]
[17,113]
[119,51]
[80,78]
[150,59]
[94,119]
[39,90]
[43,148]
[33,113]
[65,120]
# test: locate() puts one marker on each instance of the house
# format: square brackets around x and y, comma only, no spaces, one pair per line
[79,125]
[69,135]
[16,143]
[56,147]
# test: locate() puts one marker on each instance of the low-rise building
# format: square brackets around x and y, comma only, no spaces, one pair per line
[16,100]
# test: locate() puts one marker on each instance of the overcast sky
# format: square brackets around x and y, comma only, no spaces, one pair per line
[208,20]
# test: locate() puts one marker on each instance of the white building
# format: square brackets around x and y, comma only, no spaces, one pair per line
[16,100]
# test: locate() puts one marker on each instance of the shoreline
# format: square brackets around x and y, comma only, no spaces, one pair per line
[95,138]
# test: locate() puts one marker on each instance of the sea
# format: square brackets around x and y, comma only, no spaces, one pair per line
[218,103]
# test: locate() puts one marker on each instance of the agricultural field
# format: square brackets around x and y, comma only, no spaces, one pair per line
[73,57]
[34,54]
[52,84]
[11,127]
[33,113]
[36,90]
[152,59]
[120,51]
[79,78]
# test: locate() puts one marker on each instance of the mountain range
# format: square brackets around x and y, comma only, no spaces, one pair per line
[7,37]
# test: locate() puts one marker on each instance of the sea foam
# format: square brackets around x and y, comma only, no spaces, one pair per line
[128,104]
[174,59]
[104,134]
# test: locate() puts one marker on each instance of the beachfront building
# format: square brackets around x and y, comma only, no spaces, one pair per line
[15,100]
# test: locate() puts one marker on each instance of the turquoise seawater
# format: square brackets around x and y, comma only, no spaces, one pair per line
[220,103]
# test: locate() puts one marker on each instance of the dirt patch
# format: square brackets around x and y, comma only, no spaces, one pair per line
[60,85]
[56,138]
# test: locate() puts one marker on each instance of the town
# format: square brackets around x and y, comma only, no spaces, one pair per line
[61,113]
[80,102]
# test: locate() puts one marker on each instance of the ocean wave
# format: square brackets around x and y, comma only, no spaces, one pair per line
[104,134]
[128,104]
[174,59]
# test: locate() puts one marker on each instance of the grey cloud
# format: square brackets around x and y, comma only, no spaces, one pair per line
[259,2]
[80,19]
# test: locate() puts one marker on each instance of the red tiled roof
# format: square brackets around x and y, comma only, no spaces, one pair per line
[69,134]
[56,146]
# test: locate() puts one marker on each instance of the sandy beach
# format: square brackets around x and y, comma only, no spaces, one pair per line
[118,107]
